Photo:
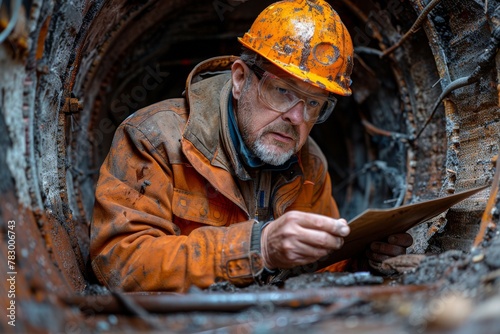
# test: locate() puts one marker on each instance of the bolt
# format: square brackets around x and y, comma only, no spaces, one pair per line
[72,106]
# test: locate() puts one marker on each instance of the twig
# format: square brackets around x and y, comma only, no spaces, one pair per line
[447,90]
[367,50]
[420,19]
[484,63]
[365,65]
[373,130]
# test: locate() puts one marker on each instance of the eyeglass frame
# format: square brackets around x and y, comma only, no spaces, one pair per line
[323,114]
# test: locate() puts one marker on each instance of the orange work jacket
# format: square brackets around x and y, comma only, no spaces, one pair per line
[168,210]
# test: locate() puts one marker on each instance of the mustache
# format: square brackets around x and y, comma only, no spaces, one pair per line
[285,128]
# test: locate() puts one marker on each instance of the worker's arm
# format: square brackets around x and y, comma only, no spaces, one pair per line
[135,244]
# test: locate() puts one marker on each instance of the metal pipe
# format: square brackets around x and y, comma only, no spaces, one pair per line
[164,302]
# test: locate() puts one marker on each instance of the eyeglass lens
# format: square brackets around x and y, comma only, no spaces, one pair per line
[281,96]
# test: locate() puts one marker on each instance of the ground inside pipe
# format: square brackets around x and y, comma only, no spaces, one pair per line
[452,292]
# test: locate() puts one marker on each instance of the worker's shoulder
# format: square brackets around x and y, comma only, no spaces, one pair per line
[160,120]
[172,110]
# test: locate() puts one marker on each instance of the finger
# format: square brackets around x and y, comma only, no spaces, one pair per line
[401,239]
[321,239]
[336,227]
[376,257]
[387,249]
[300,254]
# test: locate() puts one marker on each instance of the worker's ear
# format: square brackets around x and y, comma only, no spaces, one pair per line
[239,72]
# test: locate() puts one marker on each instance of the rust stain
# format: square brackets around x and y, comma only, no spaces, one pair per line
[487,218]
[42,36]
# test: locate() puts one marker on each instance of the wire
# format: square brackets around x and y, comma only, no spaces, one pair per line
[13,20]
[420,19]
[485,62]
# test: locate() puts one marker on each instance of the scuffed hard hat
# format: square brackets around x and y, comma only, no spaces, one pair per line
[307,39]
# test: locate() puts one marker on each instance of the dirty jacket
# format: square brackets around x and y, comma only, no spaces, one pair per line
[171,209]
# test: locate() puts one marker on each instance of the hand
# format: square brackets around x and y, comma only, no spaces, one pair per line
[299,238]
[380,251]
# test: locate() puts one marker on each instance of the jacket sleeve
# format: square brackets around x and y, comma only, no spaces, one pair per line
[135,244]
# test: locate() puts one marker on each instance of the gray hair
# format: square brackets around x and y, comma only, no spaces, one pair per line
[251,57]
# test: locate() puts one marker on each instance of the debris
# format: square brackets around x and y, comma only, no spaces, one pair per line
[478,257]
[401,264]
[328,279]
[448,312]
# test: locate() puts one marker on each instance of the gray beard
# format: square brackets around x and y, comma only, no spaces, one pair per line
[264,153]
[258,148]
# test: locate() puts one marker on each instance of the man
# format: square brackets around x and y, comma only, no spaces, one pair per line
[225,183]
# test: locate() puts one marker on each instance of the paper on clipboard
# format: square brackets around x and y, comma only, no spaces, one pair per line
[378,224]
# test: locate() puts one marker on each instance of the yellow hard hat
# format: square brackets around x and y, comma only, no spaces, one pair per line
[307,39]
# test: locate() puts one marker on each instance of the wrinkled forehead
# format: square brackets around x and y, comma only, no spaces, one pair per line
[294,81]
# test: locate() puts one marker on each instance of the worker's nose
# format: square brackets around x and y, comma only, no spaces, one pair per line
[295,114]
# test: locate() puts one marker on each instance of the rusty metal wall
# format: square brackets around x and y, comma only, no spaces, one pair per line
[462,31]
[67,69]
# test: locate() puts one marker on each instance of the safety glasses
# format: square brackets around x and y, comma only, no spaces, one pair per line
[281,96]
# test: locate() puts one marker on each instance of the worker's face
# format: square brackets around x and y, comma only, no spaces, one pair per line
[271,135]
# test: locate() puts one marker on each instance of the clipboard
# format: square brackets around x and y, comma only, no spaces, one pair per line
[378,224]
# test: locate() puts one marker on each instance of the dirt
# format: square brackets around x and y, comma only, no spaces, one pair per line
[306,281]
[460,293]
[453,267]
[463,291]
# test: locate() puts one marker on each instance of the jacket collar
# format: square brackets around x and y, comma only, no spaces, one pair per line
[208,99]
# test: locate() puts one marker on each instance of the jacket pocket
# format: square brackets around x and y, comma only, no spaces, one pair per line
[200,209]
